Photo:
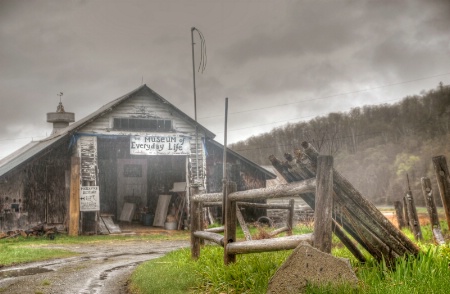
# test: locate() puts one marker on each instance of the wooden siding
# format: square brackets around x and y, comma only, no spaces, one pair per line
[40,190]
[143,106]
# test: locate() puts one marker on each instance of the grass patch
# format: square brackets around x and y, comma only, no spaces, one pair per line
[177,273]
[11,254]
[22,250]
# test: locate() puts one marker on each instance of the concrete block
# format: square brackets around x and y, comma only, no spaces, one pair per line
[308,265]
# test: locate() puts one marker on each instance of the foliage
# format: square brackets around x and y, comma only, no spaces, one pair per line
[374,146]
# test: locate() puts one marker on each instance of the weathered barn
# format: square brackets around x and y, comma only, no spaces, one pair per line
[132,150]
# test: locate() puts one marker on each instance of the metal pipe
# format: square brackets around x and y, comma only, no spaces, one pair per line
[224,174]
[195,103]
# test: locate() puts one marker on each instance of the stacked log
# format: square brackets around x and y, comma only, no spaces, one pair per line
[352,212]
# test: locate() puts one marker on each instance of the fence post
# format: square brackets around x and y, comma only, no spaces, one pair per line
[412,215]
[230,223]
[290,219]
[432,211]
[399,213]
[443,179]
[324,204]
[195,222]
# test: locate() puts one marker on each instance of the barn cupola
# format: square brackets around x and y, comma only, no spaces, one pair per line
[60,118]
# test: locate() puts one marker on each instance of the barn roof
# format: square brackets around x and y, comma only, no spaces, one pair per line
[37,148]
[269,175]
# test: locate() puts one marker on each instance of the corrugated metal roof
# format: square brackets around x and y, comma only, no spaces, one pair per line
[36,147]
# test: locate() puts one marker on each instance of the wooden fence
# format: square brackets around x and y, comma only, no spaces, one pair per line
[338,208]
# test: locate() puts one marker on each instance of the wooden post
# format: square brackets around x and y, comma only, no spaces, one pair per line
[432,211]
[195,223]
[290,219]
[230,223]
[405,212]
[364,213]
[243,224]
[412,215]
[399,214]
[443,179]
[324,204]
[74,202]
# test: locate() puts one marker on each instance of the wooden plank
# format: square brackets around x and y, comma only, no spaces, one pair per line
[102,227]
[110,225]
[127,212]
[74,202]
[161,210]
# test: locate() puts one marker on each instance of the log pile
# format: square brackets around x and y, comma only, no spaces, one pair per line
[352,213]
[36,231]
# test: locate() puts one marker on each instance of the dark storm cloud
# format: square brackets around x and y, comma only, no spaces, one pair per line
[268,57]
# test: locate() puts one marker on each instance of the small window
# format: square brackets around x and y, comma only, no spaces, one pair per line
[141,124]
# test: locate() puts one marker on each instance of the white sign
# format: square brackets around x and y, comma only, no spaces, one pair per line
[160,144]
[89,198]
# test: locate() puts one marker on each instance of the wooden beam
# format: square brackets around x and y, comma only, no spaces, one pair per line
[230,223]
[443,179]
[266,245]
[216,238]
[74,202]
[432,211]
[324,204]
[196,212]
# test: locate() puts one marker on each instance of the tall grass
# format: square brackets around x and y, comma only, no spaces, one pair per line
[428,272]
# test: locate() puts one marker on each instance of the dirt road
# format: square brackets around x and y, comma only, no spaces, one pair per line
[100,268]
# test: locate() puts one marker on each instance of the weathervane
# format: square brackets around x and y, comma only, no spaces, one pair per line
[60,107]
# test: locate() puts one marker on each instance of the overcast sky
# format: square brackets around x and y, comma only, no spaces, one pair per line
[276,61]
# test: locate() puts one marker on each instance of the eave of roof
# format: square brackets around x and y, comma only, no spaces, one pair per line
[35,148]
[269,175]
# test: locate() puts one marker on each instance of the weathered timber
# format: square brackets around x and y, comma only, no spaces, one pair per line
[279,231]
[212,197]
[414,224]
[279,191]
[196,211]
[324,204]
[212,204]
[263,205]
[432,211]
[399,214]
[216,230]
[405,212]
[304,167]
[366,239]
[290,218]
[209,236]
[347,242]
[365,212]
[266,245]
[230,223]
[242,223]
[443,179]
[74,201]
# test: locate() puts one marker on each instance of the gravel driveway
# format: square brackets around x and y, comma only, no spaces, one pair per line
[102,267]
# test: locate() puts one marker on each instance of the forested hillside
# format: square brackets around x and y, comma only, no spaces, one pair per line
[375,146]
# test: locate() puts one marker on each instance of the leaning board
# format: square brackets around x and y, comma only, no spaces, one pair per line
[161,210]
